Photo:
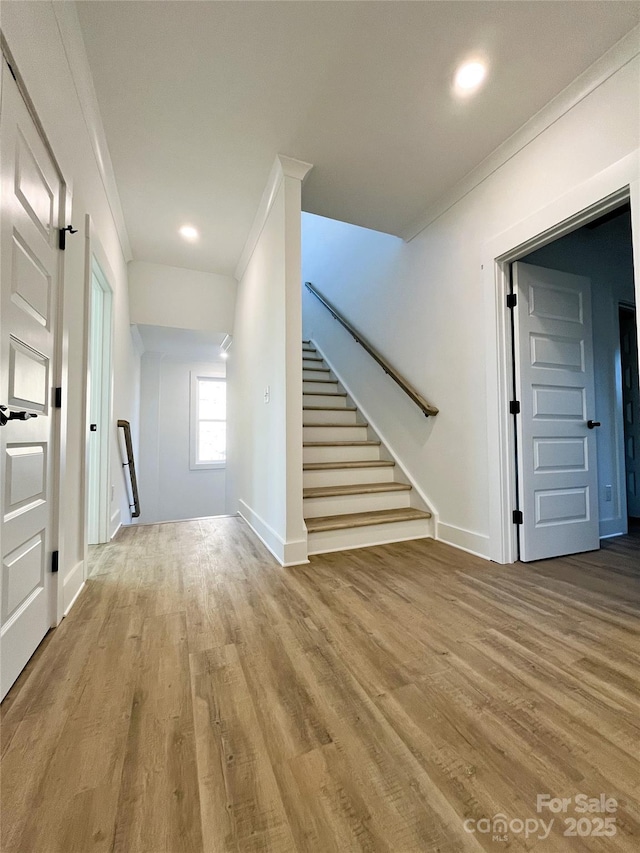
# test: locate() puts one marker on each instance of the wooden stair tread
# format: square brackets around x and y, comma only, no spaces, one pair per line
[364,519]
[367,443]
[312,358]
[324,393]
[316,370]
[330,408]
[324,381]
[357,489]
[355,463]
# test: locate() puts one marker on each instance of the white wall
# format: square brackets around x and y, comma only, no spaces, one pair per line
[168,488]
[266,436]
[603,255]
[46,44]
[424,303]
[187,299]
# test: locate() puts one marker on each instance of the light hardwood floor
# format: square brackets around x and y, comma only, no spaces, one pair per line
[200,698]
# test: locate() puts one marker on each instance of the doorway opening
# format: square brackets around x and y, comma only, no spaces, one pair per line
[630,396]
[99,408]
[575,358]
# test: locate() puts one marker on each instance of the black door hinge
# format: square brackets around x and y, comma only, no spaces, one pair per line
[62,236]
[517,516]
[57,398]
[55,557]
[514,407]
[512,300]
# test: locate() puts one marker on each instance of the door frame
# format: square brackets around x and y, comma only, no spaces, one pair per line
[588,201]
[61,357]
[100,491]
[96,262]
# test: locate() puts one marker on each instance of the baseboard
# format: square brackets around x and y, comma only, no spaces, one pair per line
[286,553]
[473,543]
[612,527]
[72,586]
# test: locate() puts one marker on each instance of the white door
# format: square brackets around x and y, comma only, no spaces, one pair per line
[30,200]
[99,381]
[557,468]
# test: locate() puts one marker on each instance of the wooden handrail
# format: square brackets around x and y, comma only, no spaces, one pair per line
[407,387]
[131,465]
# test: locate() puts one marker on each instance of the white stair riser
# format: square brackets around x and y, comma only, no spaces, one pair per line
[328,416]
[324,400]
[347,476]
[320,387]
[342,504]
[350,453]
[308,348]
[312,362]
[310,375]
[363,537]
[327,433]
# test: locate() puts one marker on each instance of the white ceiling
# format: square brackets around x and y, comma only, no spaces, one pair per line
[197,98]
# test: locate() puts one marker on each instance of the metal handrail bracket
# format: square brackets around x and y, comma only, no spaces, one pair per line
[406,386]
[131,465]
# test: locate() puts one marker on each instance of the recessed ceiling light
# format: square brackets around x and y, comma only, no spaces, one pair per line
[469,77]
[224,355]
[189,233]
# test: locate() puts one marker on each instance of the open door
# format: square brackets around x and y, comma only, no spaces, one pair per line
[557,463]
[30,196]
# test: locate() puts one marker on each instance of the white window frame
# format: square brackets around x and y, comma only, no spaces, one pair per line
[194,420]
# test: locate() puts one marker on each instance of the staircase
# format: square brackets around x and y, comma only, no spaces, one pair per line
[354,494]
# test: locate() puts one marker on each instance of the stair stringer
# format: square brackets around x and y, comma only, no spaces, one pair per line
[418,498]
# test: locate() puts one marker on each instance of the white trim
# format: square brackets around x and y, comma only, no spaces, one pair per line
[283,167]
[587,201]
[373,544]
[466,540]
[182,520]
[71,36]
[286,553]
[73,585]
[602,69]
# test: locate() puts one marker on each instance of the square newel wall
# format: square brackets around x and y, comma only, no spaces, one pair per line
[265,371]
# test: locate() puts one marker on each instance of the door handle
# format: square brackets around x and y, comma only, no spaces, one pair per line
[593,424]
[14,416]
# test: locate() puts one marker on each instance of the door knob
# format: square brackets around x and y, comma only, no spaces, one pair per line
[593,424]
[14,416]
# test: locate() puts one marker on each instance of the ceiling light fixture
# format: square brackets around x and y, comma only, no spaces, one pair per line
[469,77]
[189,233]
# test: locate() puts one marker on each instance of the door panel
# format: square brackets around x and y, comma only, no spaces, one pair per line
[31,191]
[557,472]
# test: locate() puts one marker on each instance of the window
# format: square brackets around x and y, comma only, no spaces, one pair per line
[208,421]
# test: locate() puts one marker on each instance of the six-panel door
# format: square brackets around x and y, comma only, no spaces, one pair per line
[29,233]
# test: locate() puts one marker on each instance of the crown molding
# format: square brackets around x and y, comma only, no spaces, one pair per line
[283,167]
[73,42]
[623,52]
